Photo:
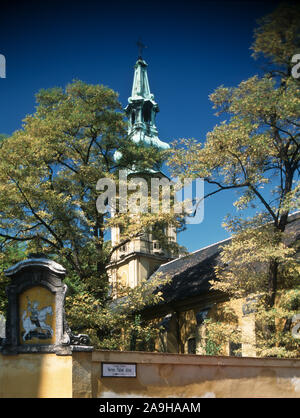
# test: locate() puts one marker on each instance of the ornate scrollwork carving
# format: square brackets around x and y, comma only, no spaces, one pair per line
[80,339]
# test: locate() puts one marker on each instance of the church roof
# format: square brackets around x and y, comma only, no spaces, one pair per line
[191,274]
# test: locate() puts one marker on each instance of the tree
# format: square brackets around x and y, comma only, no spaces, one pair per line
[118,325]
[9,255]
[48,175]
[255,151]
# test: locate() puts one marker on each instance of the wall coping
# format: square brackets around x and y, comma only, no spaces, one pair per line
[191,359]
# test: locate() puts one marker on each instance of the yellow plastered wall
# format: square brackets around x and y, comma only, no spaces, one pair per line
[157,375]
[122,275]
[188,327]
[143,266]
[132,272]
[172,375]
[35,375]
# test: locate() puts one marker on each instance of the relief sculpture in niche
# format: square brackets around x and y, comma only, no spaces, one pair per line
[37,316]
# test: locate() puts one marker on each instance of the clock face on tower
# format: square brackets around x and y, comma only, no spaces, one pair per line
[37,316]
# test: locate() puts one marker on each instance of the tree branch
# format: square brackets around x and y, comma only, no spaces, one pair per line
[35,214]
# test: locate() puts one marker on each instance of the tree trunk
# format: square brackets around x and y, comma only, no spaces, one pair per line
[272,282]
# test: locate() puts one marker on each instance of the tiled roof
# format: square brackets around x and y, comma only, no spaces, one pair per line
[191,274]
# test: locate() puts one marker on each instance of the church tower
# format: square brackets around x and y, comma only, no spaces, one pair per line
[139,258]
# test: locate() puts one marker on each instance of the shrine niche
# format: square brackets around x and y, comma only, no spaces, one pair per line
[35,316]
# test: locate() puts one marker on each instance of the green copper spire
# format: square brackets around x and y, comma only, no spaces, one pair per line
[140,87]
[141,110]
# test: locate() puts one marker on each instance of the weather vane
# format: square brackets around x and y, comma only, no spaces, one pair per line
[141,46]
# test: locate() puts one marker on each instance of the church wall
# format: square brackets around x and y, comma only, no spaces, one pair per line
[225,314]
[131,272]
[148,266]
[121,275]
[191,330]
[172,342]
[143,268]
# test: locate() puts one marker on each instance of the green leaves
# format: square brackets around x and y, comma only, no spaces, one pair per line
[48,175]
[117,324]
[49,170]
[277,36]
[255,150]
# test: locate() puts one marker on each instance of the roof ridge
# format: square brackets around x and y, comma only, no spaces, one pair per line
[211,245]
[193,252]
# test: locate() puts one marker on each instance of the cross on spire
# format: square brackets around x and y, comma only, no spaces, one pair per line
[141,46]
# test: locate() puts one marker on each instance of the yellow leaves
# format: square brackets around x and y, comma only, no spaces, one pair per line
[292,199]
[217,336]
[118,319]
[242,148]
[245,261]
[277,34]
[255,150]
[280,342]
[145,294]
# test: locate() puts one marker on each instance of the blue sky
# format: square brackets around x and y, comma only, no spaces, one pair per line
[193,47]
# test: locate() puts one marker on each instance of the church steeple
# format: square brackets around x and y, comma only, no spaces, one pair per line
[140,87]
[138,259]
[142,109]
